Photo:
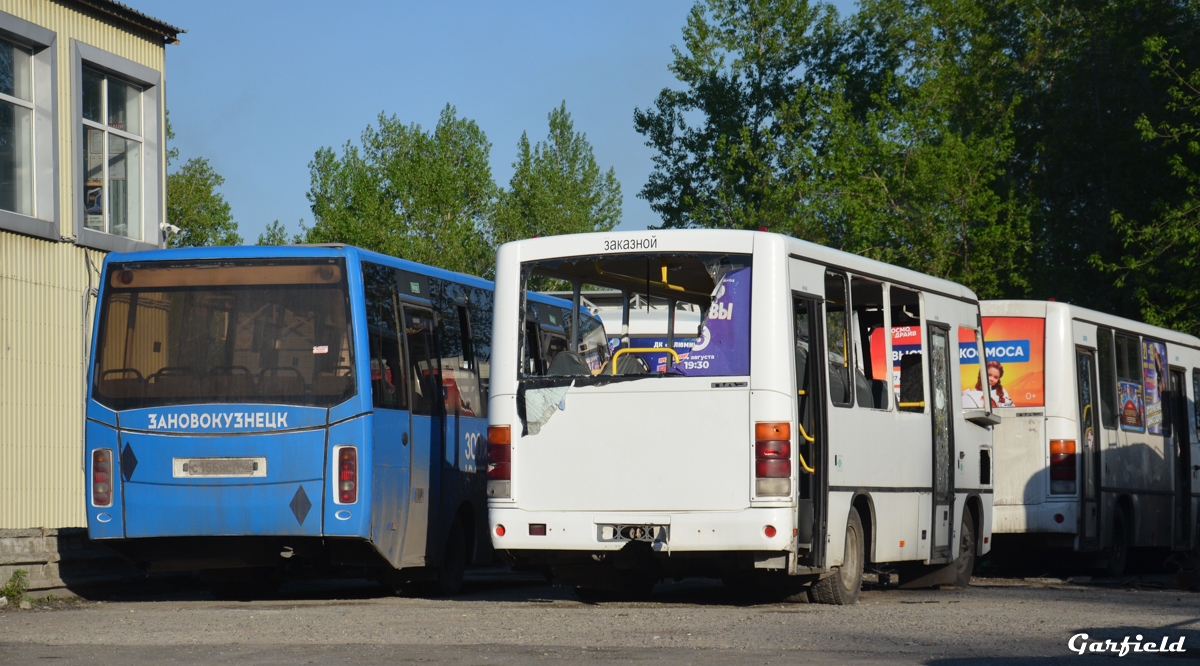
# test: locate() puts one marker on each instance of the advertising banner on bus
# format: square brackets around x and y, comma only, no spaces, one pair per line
[1015,350]
[1131,405]
[905,340]
[723,347]
[973,393]
[1154,367]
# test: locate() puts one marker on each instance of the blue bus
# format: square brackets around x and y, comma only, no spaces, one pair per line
[261,412]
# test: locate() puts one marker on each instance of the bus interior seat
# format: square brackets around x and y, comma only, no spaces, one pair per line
[838,391]
[568,363]
[627,364]
[912,389]
[282,381]
[333,383]
[122,387]
[233,381]
[177,382]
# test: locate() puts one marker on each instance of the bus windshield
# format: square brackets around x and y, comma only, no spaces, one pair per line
[247,331]
[716,284]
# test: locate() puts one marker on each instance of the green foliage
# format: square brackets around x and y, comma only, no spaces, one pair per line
[197,208]
[1162,250]
[557,187]
[424,196]
[277,234]
[16,587]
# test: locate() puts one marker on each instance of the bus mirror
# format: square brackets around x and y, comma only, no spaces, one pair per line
[981,418]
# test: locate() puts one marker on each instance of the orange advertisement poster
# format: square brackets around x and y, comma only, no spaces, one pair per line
[1015,350]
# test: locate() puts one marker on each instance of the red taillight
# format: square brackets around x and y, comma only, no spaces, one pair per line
[347,466]
[101,477]
[1062,460]
[499,530]
[772,450]
[769,530]
[499,453]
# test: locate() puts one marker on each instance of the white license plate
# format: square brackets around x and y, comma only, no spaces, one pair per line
[218,468]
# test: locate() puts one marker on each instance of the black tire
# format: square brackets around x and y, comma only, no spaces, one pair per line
[1116,556]
[964,565]
[454,563]
[842,587]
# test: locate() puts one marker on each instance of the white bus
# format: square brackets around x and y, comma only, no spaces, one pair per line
[1098,447]
[741,459]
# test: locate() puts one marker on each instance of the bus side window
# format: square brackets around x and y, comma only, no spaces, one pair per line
[423,371]
[480,310]
[973,374]
[460,387]
[837,346]
[906,324]
[1129,374]
[1108,380]
[867,317]
[387,370]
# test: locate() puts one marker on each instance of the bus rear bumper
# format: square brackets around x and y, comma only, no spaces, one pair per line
[1051,517]
[597,531]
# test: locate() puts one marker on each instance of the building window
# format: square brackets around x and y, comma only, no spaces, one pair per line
[16,128]
[112,128]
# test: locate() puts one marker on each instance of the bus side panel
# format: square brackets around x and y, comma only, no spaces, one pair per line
[1019,468]
[464,482]
[839,514]
[350,519]
[897,529]
[104,522]
[284,501]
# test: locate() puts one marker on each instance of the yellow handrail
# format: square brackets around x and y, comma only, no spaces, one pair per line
[642,350]
[805,434]
[803,464]
[911,404]
[639,281]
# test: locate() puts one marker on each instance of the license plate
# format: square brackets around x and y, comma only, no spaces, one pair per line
[216,468]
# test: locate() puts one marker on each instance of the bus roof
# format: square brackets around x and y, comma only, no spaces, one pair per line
[1043,309]
[311,251]
[731,241]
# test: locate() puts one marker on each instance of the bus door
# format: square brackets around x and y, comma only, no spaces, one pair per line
[427,431]
[1182,441]
[943,443]
[1089,450]
[810,431]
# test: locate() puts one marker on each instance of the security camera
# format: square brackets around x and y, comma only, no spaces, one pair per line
[169,228]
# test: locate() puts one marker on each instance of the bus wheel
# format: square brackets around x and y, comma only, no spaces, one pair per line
[1117,555]
[841,588]
[454,563]
[964,566]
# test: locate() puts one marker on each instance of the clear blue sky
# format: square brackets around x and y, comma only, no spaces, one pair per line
[258,87]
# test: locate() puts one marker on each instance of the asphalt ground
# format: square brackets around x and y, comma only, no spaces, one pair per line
[505,618]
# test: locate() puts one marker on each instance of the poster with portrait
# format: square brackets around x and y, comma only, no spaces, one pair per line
[1014,348]
[1131,405]
[974,394]
[1154,367]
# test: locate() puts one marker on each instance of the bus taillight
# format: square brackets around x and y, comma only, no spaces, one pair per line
[102,477]
[499,461]
[772,459]
[1062,466]
[347,469]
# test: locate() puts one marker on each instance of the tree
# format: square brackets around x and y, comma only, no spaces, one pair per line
[423,196]
[557,187]
[277,234]
[194,204]
[1161,261]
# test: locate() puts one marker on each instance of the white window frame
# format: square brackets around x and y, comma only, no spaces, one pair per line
[108,129]
[44,221]
[153,188]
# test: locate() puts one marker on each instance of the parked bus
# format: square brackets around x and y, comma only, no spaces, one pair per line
[1098,448]
[314,407]
[795,437]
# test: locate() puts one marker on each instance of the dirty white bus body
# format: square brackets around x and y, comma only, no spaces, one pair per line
[1097,451]
[611,480]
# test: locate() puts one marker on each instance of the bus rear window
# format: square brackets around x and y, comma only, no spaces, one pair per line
[243,332]
[1014,364]
[719,285]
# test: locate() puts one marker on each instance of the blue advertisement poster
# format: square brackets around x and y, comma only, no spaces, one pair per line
[723,347]
[1154,368]
[1131,406]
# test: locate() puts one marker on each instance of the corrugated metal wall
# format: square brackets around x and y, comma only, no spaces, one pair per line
[42,289]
